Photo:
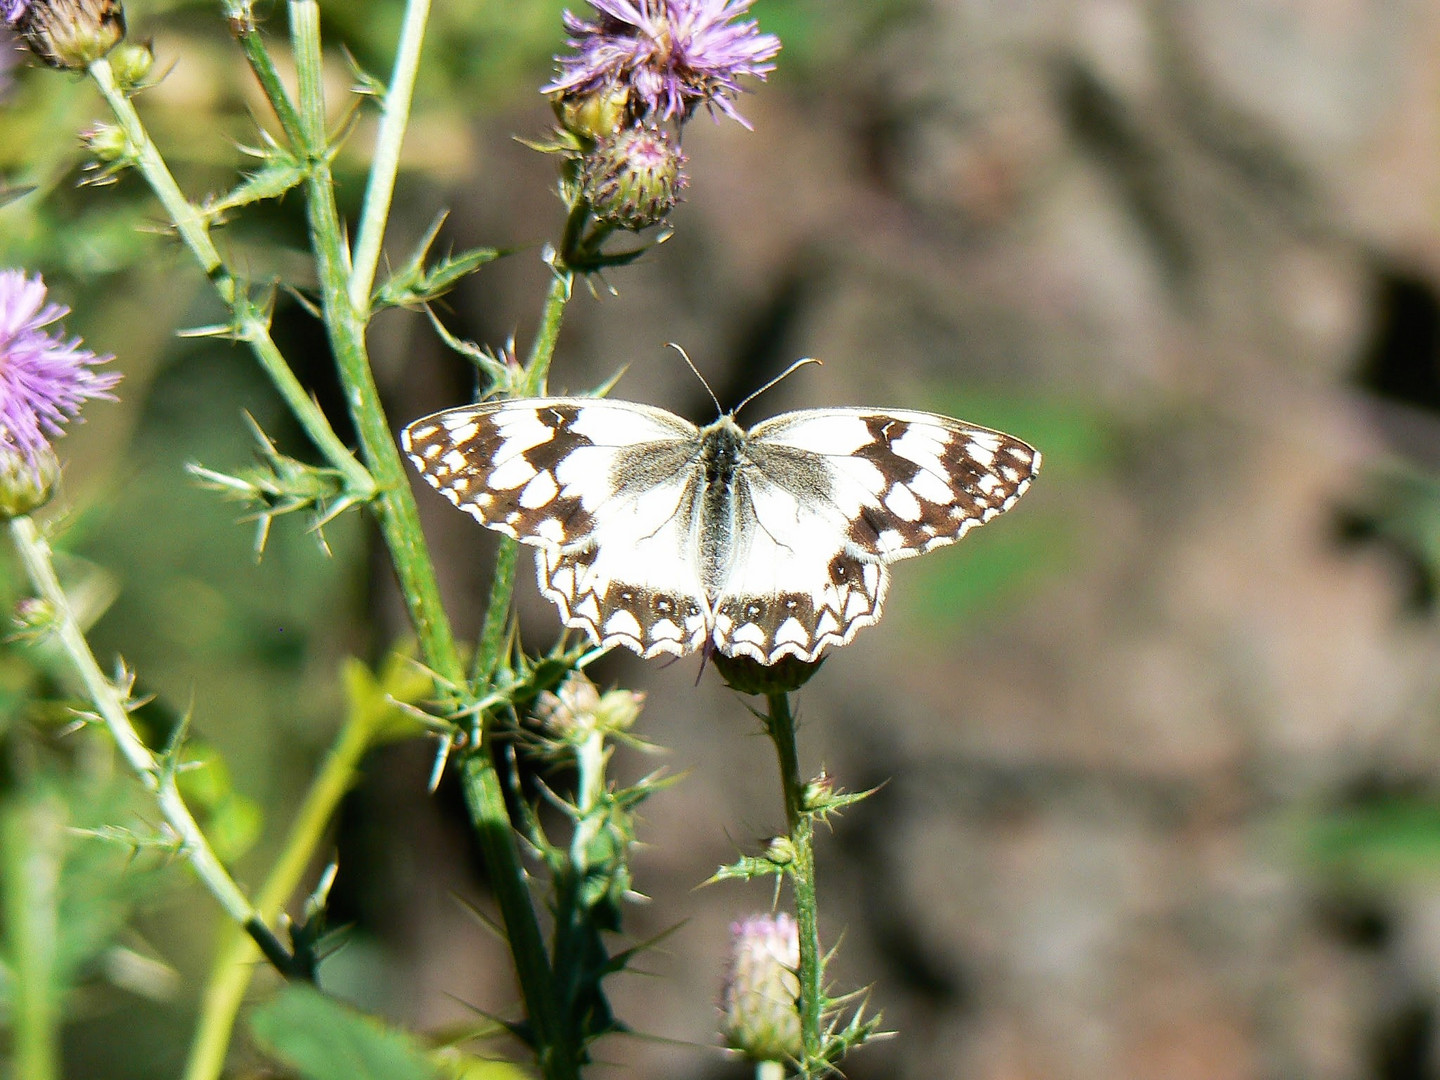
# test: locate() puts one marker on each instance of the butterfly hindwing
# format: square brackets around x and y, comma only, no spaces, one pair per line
[794,587]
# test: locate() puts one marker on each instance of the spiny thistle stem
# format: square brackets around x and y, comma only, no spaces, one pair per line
[250,325]
[103,694]
[780,726]
[400,527]
[242,24]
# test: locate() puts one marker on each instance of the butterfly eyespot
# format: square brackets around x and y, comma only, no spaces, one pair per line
[754,609]
[626,596]
[662,605]
[839,571]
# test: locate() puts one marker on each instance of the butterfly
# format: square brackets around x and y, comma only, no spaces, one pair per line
[665,537]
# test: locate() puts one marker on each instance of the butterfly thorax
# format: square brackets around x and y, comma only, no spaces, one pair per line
[720,461]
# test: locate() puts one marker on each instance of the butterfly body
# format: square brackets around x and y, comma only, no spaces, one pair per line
[662,536]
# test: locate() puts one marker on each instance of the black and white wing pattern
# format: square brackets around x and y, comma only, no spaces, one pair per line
[664,537]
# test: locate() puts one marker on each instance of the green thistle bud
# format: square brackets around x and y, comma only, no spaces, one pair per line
[26,483]
[819,794]
[780,851]
[595,115]
[749,676]
[633,179]
[71,34]
[131,61]
[108,143]
[760,1017]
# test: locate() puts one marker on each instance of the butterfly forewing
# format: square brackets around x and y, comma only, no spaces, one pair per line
[661,537]
[535,469]
[907,482]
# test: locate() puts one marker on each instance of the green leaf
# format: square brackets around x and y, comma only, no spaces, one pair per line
[414,283]
[324,1040]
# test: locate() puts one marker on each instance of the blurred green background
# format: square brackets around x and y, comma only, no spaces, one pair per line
[1160,747]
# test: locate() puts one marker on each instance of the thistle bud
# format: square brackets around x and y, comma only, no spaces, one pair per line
[577,708]
[107,142]
[594,115]
[131,61]
[633,178]
[749,676]
[760,1014]
[70,34]
[26,483]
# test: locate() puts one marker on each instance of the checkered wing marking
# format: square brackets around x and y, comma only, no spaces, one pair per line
[558,474]
[830,497]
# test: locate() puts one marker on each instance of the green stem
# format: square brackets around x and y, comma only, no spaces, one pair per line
[542,350]
[395,504]
[497,615]
[400,526]
[386,162]
[242,24]
[31,841]
[249,321]
[234,965]
[155,775]
[780,725]
[558,1057]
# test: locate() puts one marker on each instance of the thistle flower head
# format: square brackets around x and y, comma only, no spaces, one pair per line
[68,34]
[760,1016]
[44,376]
[673,55]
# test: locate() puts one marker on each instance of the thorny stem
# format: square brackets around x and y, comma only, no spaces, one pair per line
[250,324]
[542,351]
[234,966]
[400,526]
[154,774]
[242,24]
[780,726]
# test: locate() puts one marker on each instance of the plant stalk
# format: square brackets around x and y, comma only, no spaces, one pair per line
[780,725]
[39,564]
[400,527]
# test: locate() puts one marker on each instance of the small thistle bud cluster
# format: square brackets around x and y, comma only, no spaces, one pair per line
[67,34]
[760,1017]
[576,709]
[639,71]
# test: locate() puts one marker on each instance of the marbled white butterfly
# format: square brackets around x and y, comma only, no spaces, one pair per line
[665,537]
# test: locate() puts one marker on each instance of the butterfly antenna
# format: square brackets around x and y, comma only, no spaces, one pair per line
[778,378]
[686,356]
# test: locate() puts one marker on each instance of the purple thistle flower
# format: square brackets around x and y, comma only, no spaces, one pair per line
[11,10]
[44,378]
[674,54]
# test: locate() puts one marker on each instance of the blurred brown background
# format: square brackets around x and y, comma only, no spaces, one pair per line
[1158,749]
